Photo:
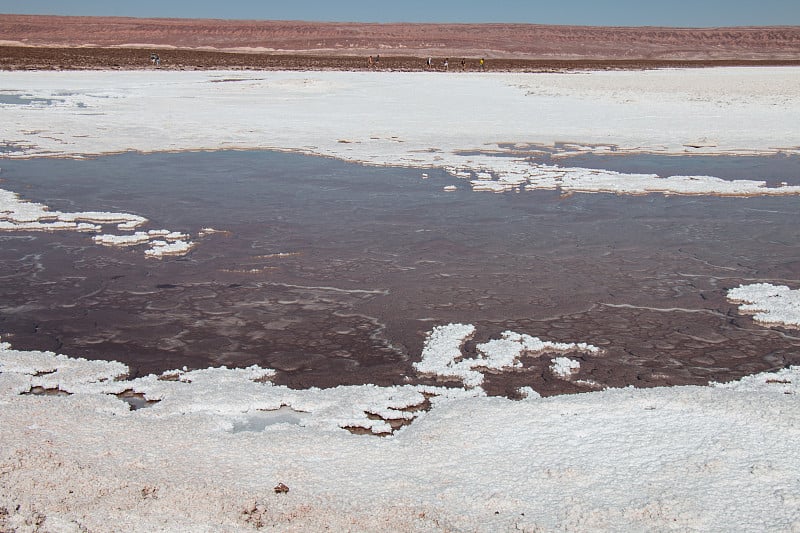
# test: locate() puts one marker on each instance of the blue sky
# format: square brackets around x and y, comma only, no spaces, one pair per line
[697,13]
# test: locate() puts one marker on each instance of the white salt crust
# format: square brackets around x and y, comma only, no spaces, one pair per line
[207,456]
[239,391]
[448,121]
[769,304]
[17,215]
[442,354]
[564,367]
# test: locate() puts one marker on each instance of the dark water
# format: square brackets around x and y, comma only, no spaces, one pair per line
[333,272]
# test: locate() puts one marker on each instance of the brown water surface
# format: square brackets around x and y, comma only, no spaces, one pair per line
[332,273]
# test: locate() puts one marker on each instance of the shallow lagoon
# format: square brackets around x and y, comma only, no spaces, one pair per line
[333,272]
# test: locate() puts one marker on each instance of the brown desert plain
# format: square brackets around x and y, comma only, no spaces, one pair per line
[56,42]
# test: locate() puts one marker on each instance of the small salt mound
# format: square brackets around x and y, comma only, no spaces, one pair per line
[564,367]
[770,304]
[139,237]
[442,354]
[124,221]
[161,248]
[527,393]
[442,348]
[170,243]
[167,235]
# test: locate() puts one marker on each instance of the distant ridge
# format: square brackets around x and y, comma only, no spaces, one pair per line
[524,41]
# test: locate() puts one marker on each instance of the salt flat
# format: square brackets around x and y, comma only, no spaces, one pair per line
[420,119]
[714,458]
[685,458]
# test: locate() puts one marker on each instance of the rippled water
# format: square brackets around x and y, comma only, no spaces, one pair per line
[333,272]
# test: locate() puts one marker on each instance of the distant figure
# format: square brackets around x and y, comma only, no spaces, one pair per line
[370,62]
[430,62]
[446,62]
[463,64]
[482,64]
[377,58]
[154,59]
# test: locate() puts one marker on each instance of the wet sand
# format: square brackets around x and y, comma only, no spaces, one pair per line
[332,273]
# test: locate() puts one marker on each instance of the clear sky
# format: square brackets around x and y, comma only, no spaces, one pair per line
[683,13]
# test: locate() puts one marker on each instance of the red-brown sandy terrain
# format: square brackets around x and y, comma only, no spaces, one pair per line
[520,41]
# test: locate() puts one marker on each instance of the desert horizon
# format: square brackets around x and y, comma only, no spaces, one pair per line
[491,40]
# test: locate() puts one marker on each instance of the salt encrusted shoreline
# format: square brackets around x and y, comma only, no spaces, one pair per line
[445,118]
[208,454]
[237,392]
[520,174]
[301,118]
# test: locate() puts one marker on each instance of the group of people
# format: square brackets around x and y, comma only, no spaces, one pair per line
[373,61]
[446,63]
